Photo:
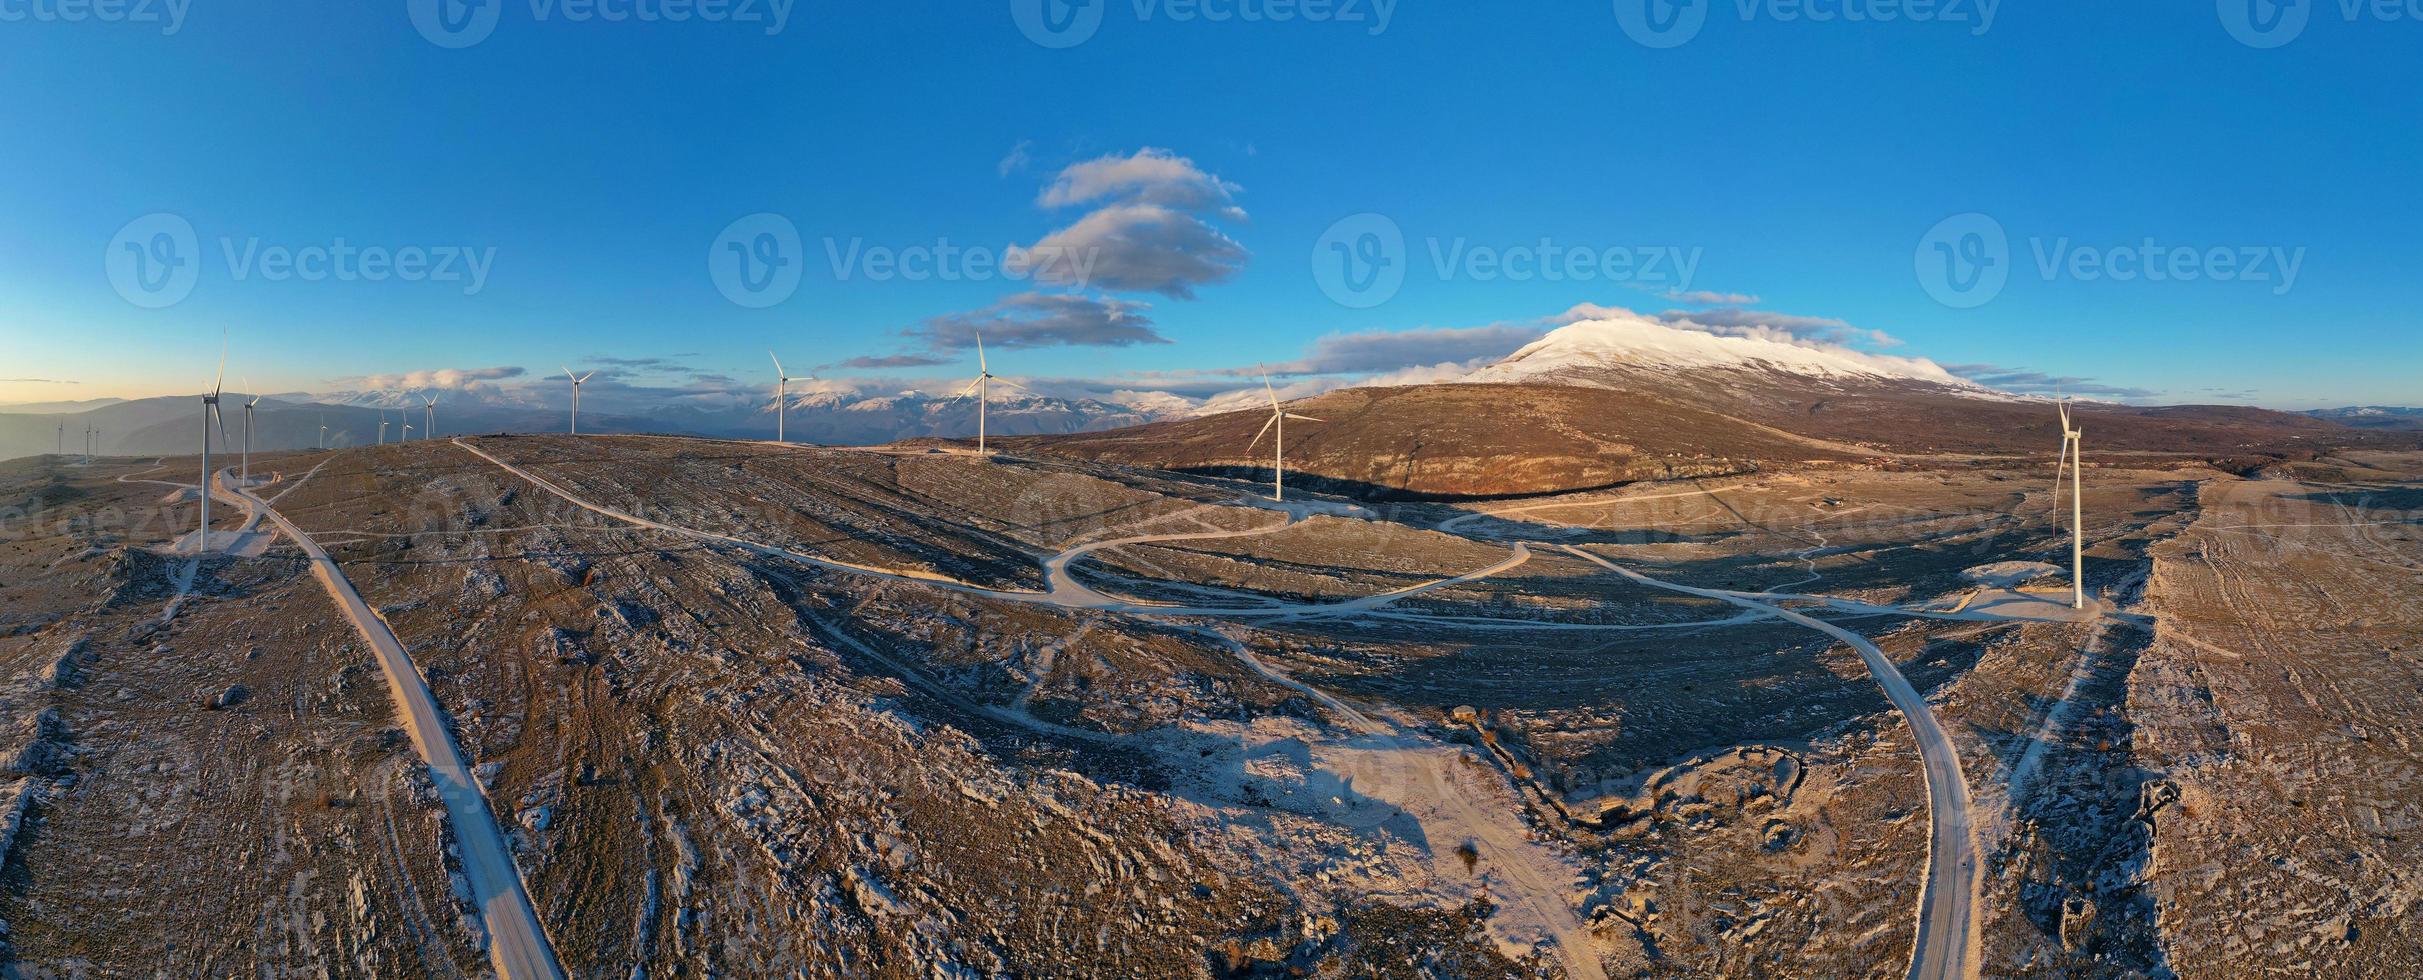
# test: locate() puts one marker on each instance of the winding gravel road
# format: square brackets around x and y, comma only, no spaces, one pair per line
[517,944]
[1947,941]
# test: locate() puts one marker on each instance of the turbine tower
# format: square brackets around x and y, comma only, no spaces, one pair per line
[577,381]
[382,426]
[2071,446]
[984,375]
[60,447]
[244,477]
[210,415]
[428,416]
[323,430]
[782,401]
[1278,420]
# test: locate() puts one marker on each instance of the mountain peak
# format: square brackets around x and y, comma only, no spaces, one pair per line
[1586,352]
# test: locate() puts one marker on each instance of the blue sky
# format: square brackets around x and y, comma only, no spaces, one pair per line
[1802,166]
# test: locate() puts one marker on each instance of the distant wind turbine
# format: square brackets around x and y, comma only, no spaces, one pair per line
[984,375]
[382,426]
[2071,447]
[323,430]
[577,381]
[782,400]
[245,476]
[407,433]
[210,417]
[429,416]
[60,448]
[1278,421]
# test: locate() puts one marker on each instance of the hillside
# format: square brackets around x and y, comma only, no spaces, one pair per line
[1604,402]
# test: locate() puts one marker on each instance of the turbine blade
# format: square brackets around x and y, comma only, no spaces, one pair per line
[2060,469]
[1020,387]
[963,392]
[568,373]
[219,383]
[980,364]
[1274,420]
[1272,392]
[777,366]
[584,379]
[1307,418]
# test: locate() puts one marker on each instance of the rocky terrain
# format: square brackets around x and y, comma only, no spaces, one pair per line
[752,710]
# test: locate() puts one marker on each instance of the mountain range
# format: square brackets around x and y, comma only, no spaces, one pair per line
[1606,399]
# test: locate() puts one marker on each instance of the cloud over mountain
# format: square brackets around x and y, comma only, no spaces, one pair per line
[1150,233]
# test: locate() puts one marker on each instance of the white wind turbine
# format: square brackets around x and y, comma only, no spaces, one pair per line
[2071,446]
[407,437]
[782,400]
[210,417]
[323,430]
[577,381]
[244,477]
[428,417]
[981,386]
[1278,420]
[382,426]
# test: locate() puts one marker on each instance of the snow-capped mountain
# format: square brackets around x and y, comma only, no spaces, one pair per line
[1623,350]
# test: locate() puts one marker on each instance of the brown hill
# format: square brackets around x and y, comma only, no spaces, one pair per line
[1449,441]
[1454,440]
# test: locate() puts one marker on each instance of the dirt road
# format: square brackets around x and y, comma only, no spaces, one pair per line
[1947,941]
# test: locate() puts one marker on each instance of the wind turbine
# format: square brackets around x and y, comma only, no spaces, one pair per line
[245,477]
[1278,420]
[2071,447]
[60,449]
[407,433]
[210,415]
[984,375]
[577,381]
[429,416]
[382,426]
[323,430]
[782,401]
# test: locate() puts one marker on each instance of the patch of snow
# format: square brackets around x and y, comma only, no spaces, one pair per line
[1622,340]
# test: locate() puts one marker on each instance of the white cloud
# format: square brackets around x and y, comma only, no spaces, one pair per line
[443,379]
[1148,232]
[1150,176]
